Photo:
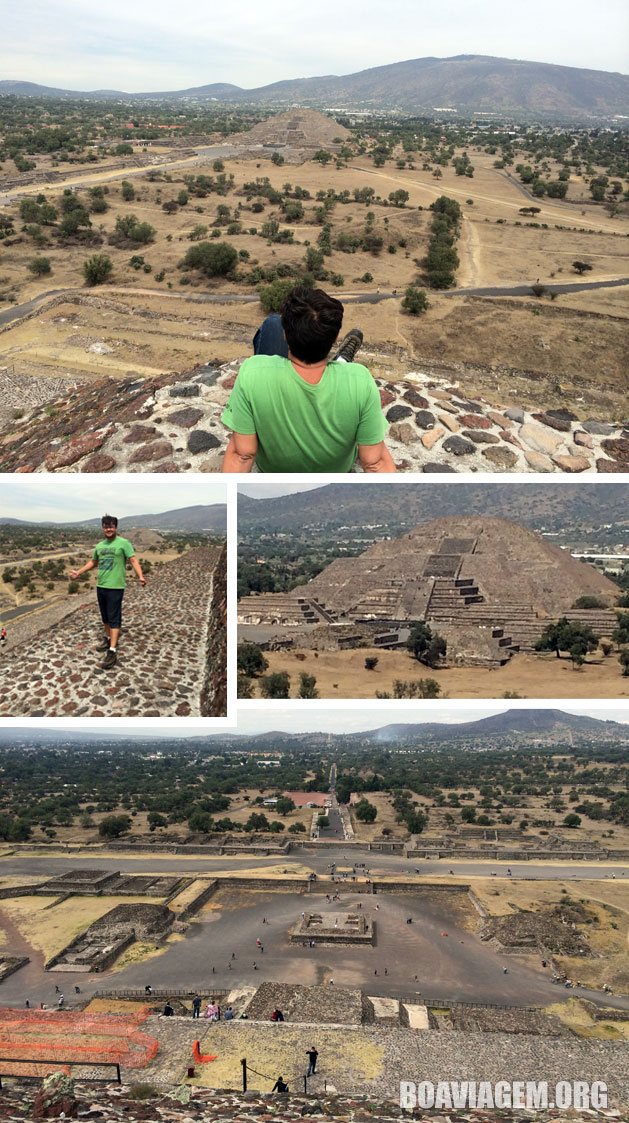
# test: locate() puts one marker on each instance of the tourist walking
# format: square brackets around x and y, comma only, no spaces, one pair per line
[196,1006]
[110,556]
[3,637]
[312,1055]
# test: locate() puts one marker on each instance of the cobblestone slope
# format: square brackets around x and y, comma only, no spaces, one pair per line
[114,1103]
[172,424]
[163,667]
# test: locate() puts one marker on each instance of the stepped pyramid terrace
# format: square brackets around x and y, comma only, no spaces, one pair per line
[488,585]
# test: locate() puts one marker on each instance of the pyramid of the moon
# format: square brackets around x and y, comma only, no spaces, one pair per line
[299,128]
[463,572]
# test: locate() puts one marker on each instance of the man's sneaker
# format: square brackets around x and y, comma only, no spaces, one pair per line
[349,346]
[104,646]
[109,660]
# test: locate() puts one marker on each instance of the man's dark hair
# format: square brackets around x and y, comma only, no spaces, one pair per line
[109,520]
[311,321]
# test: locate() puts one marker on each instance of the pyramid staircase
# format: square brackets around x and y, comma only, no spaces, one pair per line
[283,608]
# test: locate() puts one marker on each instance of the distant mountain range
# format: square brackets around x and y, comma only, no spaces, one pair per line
[532,725]
[528,723]
[199,519]
[393,510]
[465,83]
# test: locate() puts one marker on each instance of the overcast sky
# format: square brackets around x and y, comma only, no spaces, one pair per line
[158,45]
[300,717]
[69,498]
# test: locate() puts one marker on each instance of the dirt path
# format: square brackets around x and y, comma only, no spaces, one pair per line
[470,271]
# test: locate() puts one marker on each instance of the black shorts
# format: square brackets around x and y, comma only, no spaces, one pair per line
[110,604]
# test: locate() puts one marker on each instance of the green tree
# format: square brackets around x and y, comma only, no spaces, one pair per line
[112,826]
[276,685]
[127,190]
[415,301]
[272,296]
[425,646]
[399,198]
[307,686]
[284,805]
[468,815]
[39,266]
[567,635]
[297,828]
[371,662]
[214,259]
[250,660]
[365,811]
[572,820]
[97,269]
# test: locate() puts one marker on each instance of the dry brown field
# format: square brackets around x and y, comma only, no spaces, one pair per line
[342,674]
[566,352]
[49,930]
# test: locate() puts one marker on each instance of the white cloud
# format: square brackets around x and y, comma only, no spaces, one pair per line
[155,45]
[71,498]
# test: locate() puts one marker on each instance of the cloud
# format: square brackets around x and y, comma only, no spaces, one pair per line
[156,45]
[69,499]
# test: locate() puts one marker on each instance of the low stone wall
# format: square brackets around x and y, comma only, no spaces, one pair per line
[433,428]
[198,902]
[9,964]
[19,891]
[214,690]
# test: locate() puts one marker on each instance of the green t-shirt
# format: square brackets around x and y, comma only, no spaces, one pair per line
[111,556]
[304,428]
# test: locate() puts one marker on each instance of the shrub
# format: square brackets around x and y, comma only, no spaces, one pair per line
[415,301]
[216,260]
[39,266]
[97,269]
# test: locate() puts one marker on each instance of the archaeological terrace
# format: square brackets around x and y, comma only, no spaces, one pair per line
[489,585]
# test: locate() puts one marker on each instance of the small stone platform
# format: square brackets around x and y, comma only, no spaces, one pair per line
[334,928]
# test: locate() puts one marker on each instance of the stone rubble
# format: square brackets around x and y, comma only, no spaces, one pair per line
[172,424]
[164,663]
[113,1103]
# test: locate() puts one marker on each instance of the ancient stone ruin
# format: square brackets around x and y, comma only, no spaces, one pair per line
[333,928]
[98,947]
[488,585]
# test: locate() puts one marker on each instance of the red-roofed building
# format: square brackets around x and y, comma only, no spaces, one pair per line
[309,799]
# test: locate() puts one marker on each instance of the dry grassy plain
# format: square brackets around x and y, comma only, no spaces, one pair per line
[342,674]
[565,352]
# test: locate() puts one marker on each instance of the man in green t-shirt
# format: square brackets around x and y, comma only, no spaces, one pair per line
[110,556]
[293,409]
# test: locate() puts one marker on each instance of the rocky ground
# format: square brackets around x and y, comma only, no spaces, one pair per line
[112,1103]
[162,665]
[172,424]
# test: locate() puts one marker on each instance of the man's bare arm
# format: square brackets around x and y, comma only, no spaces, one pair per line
[74,573]
[240,453]
[138,569]
[376,458]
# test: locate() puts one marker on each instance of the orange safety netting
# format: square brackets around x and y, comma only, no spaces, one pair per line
[69,1035]
[199,1057]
